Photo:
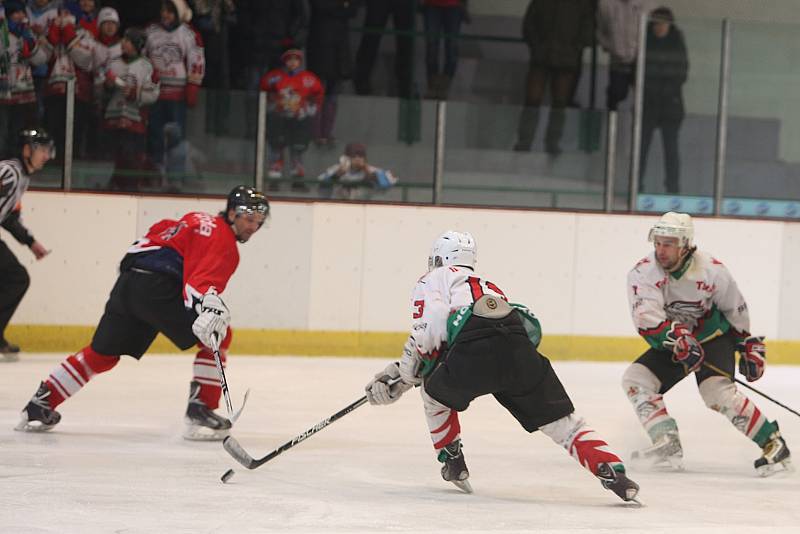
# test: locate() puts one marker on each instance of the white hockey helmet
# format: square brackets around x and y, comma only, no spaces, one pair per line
[673,224]
[453,248]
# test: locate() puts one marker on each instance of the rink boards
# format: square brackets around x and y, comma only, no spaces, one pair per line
[326,278]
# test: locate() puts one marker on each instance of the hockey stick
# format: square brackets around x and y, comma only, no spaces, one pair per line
[240,455]
[748,386]
[222,381]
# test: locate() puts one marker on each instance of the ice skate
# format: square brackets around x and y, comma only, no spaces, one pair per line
[614,479]
[455,467]
[202,424]
[38,416]
[775,456]
[8,352]
[665,453]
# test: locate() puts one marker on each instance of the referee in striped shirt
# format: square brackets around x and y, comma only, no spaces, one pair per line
[34,149]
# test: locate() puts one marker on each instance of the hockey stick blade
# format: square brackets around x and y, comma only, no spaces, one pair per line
[238,452]
[238,412]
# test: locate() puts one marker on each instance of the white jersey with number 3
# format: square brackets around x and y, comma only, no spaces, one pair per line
[438,293]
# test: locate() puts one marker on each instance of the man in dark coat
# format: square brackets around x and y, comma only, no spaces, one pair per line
[556,32]
[329,57]
[666,70]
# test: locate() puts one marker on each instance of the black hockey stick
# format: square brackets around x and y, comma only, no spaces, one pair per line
[237,451]
[748,386]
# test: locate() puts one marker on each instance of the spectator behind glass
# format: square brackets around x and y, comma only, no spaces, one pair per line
[40,14]
[375,21]
[442,23]
[19,51]
[666,70]
[75,54]
[556,32]
[618,34]
[176,52]
[130,87]
[295,95]
[353,175]
[329,58]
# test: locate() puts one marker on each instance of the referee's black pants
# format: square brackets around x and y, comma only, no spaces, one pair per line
[14,282]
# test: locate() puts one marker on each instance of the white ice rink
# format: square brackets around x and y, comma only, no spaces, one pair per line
[117,463]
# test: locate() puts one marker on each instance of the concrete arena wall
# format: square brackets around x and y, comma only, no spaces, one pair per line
[335,278]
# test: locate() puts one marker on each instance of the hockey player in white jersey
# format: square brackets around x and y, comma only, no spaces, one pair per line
[688,308]
[468,341]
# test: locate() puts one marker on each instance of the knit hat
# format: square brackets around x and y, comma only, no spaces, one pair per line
[662,14]
[355,149]
[137,38]
[292,52]
[107,14]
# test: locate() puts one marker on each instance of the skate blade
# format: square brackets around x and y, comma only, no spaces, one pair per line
[772,469]
[9,357]
[654,462]
[32,426]
[463,485]
[202,433]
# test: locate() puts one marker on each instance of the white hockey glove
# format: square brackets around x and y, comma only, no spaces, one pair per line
[410,363]
[380,392]
[212,322]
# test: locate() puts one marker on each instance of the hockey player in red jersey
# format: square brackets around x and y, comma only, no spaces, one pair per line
[688,308]
[170,282]
[468,341]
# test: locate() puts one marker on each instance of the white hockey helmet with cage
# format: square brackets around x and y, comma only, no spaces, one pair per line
[453,248]
[673,224]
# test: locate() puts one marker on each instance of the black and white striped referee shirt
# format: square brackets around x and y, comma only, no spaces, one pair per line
[13,184]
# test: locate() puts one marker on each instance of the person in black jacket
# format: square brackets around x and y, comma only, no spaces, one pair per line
[666,70]
[329,57]
[556,32]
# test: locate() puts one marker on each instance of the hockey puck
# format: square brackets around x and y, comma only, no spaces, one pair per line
[227,476]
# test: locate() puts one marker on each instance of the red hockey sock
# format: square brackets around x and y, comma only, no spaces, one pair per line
[74,372]
[205,371]
[590,451]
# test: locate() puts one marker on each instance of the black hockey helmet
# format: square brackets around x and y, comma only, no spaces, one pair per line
[35,137]
[245,199]
[137,37]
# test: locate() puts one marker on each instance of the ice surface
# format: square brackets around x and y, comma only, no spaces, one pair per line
[117,463]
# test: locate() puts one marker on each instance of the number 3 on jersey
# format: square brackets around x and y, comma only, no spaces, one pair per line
[476,286]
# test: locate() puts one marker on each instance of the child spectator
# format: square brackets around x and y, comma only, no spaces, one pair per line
[19,50]
[130,84]
[176,52]
[40,14]
[353,175]
[295,95]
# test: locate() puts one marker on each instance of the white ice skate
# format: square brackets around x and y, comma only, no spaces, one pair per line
[666,453]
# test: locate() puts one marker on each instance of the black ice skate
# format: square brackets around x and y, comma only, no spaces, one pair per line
[665,453]
[775,456]
[455,467]
[38,416]
[614,479]
[202,423]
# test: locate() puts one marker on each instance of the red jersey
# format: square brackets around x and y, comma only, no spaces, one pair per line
[206,245]
[297,95]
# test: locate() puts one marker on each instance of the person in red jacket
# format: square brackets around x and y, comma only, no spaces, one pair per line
[295,96]
[170,281]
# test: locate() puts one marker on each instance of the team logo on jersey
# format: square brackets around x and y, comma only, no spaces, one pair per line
[685,312]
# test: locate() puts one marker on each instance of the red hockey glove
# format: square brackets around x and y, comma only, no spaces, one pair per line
[68,34]
[752,357]
[686,350]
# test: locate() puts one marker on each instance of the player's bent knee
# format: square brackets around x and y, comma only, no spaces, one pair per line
[562,430]
[718,392]
[641,378]
[99,363]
